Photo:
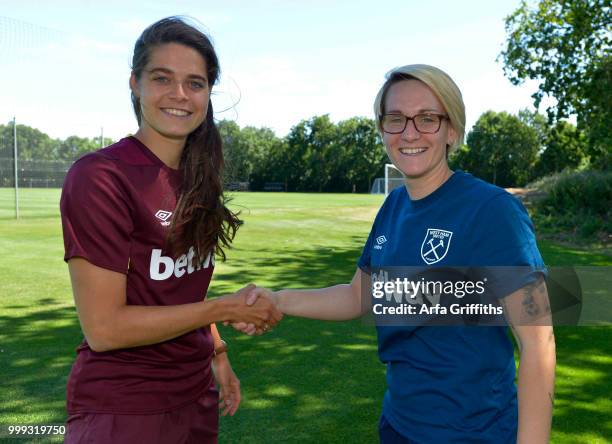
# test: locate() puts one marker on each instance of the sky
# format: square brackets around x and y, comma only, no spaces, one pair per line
[65,64]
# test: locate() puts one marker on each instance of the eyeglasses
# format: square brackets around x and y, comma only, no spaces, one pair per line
[423,123]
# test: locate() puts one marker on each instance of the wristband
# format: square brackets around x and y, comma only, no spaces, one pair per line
[221,349]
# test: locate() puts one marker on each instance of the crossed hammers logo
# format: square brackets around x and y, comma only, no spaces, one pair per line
[434,247]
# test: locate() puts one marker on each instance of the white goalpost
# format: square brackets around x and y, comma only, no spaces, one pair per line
[393,179]
[16,168]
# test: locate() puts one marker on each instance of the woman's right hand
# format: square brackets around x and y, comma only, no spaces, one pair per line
[255,316]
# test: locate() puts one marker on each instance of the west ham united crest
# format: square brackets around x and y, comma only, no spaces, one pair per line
[435,245]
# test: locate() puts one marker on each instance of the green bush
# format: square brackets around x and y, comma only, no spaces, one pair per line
[578,202]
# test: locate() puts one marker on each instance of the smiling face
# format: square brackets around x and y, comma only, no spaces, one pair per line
[417,155]
[173,91]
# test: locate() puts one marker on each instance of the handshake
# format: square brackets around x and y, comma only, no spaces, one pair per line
[252,310]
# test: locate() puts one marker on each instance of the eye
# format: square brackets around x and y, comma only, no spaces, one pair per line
[163,80]
[394,118]
[195,85]
[427,119]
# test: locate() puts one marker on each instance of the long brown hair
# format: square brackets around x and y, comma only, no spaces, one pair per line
[201,218]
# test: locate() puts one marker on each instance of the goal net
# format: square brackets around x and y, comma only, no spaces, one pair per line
[393,179]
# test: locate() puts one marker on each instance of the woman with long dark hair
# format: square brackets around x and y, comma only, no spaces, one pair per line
[143,220]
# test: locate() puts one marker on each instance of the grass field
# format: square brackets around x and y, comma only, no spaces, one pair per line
[307,381]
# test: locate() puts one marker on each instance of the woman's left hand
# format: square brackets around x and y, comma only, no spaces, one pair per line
[229,385]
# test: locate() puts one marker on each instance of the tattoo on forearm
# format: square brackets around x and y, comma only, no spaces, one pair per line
[529,303]
[541,286]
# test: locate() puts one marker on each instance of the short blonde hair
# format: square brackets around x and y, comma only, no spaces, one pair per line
[445,89]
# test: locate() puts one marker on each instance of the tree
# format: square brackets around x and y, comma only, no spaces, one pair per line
[539,123]
[251,154]
[596,119]
[311,146]
[461,159]
[74,147]
[362,155]
[501,149]
[31,143]
[565,44]
[279,165]
[565,149]
[561,146]
[261,145]
[234,152]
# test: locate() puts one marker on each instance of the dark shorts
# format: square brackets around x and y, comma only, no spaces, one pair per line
[388,435]
[197,422]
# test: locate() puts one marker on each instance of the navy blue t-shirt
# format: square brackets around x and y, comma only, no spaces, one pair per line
[452,384]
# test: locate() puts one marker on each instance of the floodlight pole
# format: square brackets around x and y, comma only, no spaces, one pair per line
[16,171]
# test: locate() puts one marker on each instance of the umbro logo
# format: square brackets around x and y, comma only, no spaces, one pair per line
[379,241]
[164,216]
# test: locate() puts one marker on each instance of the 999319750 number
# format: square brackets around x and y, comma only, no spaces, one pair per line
[32,430]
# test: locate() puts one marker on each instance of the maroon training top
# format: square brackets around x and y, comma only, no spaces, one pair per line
[116,206]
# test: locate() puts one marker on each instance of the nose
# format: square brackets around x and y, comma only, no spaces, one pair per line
[410,132]
[178,91]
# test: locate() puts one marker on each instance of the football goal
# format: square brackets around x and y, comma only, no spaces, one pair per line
[393,179]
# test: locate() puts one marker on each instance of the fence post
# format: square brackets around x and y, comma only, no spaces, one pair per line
[16,171]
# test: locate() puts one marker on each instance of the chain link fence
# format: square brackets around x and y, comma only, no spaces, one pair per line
[39,182]
[33,173]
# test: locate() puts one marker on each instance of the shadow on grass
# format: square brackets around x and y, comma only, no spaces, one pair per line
[318,266]
[584,367]
[307,381]
[37,352]
[336,393]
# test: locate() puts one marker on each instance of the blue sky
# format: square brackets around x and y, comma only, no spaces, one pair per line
[65,64]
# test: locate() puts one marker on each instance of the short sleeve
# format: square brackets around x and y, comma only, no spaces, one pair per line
[96,217]
[364,261]
[504,246]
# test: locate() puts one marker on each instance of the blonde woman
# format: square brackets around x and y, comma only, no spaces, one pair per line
[447,384]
